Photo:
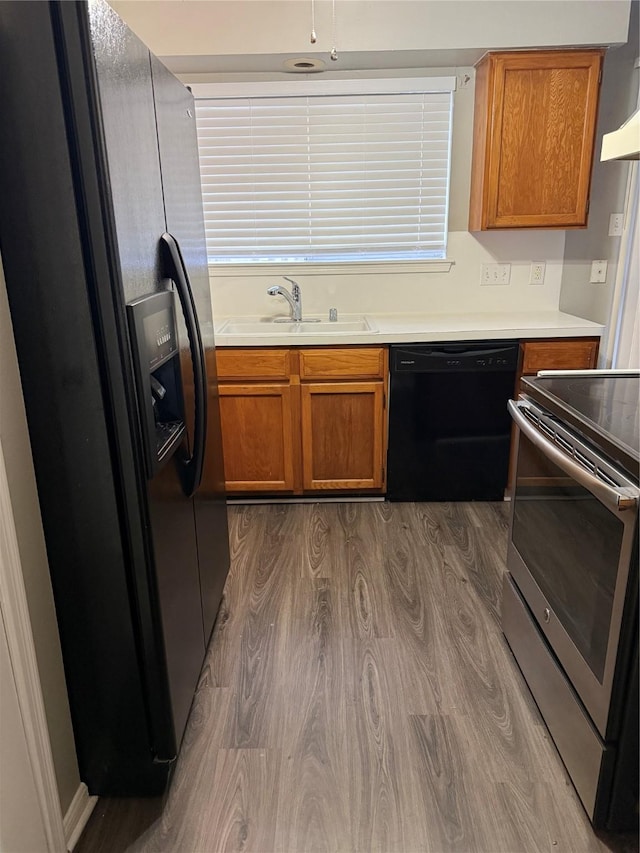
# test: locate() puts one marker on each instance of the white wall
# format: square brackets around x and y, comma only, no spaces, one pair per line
[246,27]
[14,438]
[221,38]
[618,99]
[404,293]
[21,826]
[424,292]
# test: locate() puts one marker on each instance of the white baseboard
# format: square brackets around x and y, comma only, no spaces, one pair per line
[77,815]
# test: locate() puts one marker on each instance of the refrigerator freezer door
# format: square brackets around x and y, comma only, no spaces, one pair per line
[61,266]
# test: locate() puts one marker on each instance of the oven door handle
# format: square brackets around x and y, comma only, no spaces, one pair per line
[625,497]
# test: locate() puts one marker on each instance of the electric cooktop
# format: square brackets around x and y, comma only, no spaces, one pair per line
[600,405]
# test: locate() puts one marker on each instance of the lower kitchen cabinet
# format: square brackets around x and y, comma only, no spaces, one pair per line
[257,419]
[257,435]
[558,354]
[342,435]
[311,420]
[299,420]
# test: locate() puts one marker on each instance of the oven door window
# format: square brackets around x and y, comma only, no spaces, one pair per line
[571,545]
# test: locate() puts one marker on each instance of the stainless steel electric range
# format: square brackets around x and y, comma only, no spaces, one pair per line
[570,603]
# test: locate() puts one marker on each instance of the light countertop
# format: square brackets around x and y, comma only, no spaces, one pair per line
[422,328]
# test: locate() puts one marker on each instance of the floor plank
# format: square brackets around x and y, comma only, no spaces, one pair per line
[447,792]
[358,695]
[374,744]
[313,792]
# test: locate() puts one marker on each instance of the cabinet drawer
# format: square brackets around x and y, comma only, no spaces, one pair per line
[253,363]
[559,355]
[345,363]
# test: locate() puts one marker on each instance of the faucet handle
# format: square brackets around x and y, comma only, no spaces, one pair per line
[333,315]
[295,286]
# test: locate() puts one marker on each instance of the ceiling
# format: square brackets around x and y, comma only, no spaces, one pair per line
[249,37]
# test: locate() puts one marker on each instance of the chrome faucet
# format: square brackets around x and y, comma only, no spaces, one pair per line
[294,298]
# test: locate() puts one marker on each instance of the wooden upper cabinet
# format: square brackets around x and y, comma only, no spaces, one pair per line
[533,138]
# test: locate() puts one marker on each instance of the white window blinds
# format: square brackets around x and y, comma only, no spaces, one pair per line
[325,178]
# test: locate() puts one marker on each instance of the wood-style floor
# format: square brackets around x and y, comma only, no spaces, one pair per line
[358,695]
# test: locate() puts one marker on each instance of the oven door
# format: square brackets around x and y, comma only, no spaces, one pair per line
[572,545]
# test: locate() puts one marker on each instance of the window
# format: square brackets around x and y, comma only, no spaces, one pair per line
[351,175]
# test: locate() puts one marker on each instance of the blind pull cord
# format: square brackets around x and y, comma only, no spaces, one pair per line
[313,38]
[334,53]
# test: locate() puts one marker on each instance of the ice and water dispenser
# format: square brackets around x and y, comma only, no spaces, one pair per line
[157,364]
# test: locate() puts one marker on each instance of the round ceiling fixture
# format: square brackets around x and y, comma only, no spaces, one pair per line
[304,65]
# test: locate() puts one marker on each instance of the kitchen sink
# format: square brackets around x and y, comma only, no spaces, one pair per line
[311,326]
[351,325]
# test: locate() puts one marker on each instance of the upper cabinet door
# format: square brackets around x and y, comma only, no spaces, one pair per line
[534,129]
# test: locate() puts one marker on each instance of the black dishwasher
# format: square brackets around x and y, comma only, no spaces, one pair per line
[449,428]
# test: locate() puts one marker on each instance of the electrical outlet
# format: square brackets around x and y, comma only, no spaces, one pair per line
[495,273]
[616,224]
[598,272]
[536,273]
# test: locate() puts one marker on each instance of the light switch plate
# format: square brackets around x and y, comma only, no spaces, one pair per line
[616,224]
[495,273]
[598,272]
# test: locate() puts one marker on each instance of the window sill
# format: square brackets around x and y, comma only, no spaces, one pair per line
[359,268]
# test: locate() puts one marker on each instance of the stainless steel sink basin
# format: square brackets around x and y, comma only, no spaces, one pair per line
[349,325]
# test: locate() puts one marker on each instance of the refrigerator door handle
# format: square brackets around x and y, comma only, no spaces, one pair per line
[193,466]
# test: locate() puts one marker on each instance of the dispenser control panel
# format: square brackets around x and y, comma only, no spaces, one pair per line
[160,336]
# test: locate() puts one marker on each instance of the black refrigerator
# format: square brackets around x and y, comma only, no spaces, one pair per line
[102,244]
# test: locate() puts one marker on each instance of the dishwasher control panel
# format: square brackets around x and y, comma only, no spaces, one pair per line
[456,356]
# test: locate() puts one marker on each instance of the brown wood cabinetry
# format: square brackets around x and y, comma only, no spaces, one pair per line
[556,354]
[561,354]
[303,420]
[257,436]
[343,417]
[257,419]
[343,363]
[533,137]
